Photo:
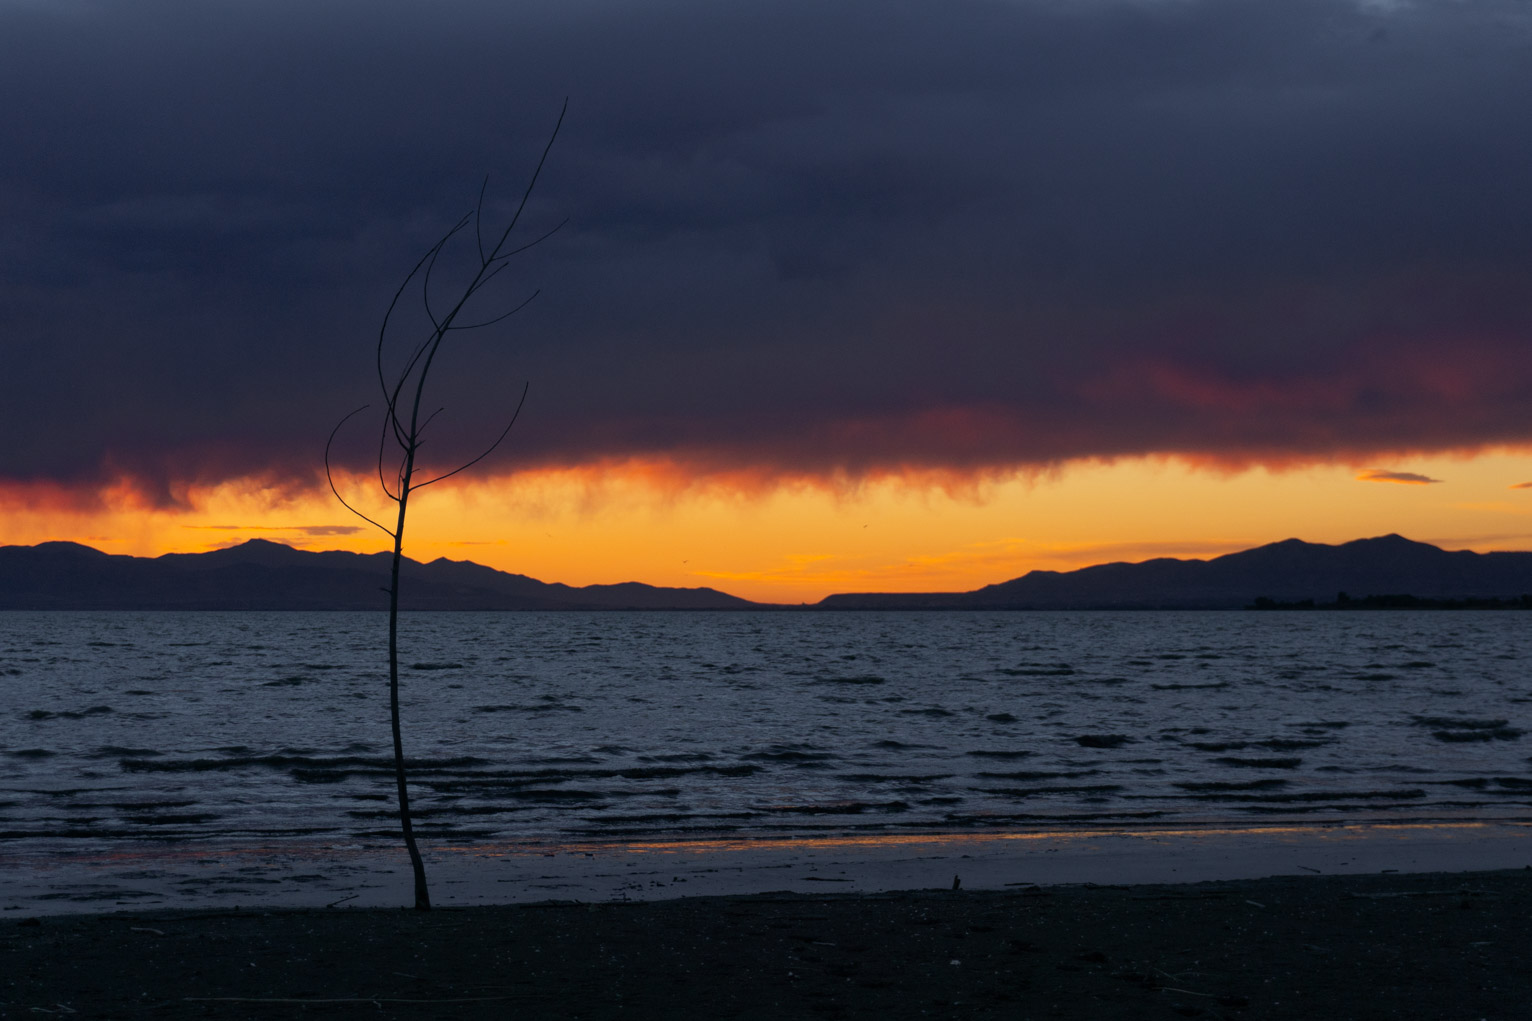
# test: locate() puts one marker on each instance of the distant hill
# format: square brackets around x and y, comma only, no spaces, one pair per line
[1286,572]
[262,575]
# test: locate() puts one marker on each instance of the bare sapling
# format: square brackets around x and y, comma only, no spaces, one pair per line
[403,420]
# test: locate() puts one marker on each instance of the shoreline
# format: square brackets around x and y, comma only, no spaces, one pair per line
[58,881]
[1421,945]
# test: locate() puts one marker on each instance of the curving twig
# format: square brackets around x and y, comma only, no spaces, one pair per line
[330,475]
[498,440]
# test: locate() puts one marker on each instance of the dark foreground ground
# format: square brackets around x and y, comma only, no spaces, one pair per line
[1356,947]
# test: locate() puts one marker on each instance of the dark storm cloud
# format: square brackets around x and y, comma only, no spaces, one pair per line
[804,237]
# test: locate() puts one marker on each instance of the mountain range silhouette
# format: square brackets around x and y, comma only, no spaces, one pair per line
[264,575]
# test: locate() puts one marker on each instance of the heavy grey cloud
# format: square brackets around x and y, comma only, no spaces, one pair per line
[804,237]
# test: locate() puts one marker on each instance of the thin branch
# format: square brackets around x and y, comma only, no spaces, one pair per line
[383,445]
[485,278]
[478,213]
[425,291]
[422,430]
[503,315]
[388,314]
[401,436]
[434,336]
[425,285]
[491,449]
[527,194]
[431,253]
[391,421]
[537,240]
[330,475]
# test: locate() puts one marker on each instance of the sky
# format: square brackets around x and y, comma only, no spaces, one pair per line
[844,296]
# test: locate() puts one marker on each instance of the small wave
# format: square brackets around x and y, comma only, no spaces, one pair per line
[999,753]
[544,794]
[540,707]
[494,780]
[32,753]
[95,710]
[1033,775]
[1457,723]
[840,808]
[1309,797]
[1029,792]
[1190,687]
[789,753]
[436,666]
[1001,718]
[1103,740]
[200,765]
[1039,670]
[1230,785]
[1498,734]
[1282,763]
[861,679]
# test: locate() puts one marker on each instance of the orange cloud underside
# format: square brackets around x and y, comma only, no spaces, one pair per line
[799,541]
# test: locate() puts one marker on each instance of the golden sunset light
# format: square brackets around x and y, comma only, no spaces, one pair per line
[792,543]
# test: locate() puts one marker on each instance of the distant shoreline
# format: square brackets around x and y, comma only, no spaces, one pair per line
[1396,602]
[262,575]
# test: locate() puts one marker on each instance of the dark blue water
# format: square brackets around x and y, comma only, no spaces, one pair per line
[240,729]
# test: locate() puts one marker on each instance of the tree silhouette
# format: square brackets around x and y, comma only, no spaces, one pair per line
[403,399]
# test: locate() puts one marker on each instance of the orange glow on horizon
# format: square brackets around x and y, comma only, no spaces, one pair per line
[793,541]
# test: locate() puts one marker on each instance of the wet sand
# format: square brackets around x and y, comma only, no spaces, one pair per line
[1422,945]
[210,877]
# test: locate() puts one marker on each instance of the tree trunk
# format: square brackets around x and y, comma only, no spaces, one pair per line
[422,894]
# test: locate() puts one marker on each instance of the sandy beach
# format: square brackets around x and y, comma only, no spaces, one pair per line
[1422,945]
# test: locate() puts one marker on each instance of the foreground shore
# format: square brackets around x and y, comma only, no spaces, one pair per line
[1434,945]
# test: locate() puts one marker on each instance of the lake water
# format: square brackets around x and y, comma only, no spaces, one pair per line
[124,728]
